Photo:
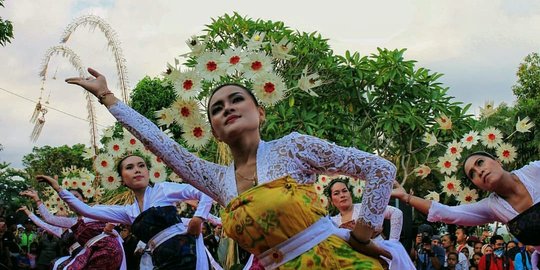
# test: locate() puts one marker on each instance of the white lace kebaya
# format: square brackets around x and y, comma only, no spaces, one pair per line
[300,156]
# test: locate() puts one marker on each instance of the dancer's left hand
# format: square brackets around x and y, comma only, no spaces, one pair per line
[195,226]
[53,182]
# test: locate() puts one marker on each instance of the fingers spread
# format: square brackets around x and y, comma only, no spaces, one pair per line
[94,72]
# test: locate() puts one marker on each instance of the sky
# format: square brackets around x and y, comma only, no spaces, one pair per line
[477,45]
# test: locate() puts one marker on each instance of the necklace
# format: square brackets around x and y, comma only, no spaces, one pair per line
[252,179]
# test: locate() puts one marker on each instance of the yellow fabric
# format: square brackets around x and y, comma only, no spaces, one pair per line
[264,216]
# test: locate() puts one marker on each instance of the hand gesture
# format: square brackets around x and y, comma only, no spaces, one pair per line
[373,250]
[398,191]
[52,182]
[31,194]
[195,226]
[96,85]
[24,209]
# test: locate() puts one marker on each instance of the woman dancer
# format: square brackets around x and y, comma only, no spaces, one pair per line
[93,249]
[153,216]
[339,194]
[272,208]
[514,198]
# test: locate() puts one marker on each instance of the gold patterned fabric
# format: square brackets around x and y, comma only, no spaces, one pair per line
[265,216]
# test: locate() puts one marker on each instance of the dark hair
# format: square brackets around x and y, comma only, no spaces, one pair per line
[494,239]
[452,253]
[119,162]
[464,229]
[224,85]
[328,189]
[478,153]
[78,190]
[452,237]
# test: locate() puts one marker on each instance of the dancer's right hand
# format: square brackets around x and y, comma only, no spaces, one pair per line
[24,209]
[53,182]
[398,192]
[31,194]
[96,85]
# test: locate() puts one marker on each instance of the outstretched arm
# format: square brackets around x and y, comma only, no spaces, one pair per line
[466,214]
[205,176]
[109,213]
[417,203]
[54,230]
[63,222]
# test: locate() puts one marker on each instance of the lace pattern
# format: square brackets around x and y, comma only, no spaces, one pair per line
[300,156]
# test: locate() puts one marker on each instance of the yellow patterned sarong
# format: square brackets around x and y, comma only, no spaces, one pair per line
[265,216]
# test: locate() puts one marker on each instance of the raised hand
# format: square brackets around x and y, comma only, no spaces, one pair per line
[96,85]
[398,191]
[31,194]
[24,209]
[53,182]
[195,226]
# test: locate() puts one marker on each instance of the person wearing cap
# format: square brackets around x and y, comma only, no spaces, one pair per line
[436,240]
[28,236]
[426,255]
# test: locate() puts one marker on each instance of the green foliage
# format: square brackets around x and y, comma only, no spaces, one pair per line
[379,103]
[12,182]
[49,160]
[6,29]
[527,91]
[152,94]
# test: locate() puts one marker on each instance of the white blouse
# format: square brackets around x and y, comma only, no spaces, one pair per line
[300,156]
[162,194]
[493,208]
[392,213]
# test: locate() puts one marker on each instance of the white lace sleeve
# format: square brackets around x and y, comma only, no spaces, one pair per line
[321,157]
[63,222]
[54,230]
[203,175]
[396,221]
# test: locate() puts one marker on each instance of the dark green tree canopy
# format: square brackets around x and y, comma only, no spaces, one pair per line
[50,160]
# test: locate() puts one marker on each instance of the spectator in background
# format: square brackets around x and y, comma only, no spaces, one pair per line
[498,259]
[133,257]
[461,239]
[484,238]
[477,248]
[209,239]
[436,240]
[5,260]
[475,259]
[427,256]
[49,249]
[451,261]
[522,259]
[449,244]
[28,236]
[487,249]
[32,255]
